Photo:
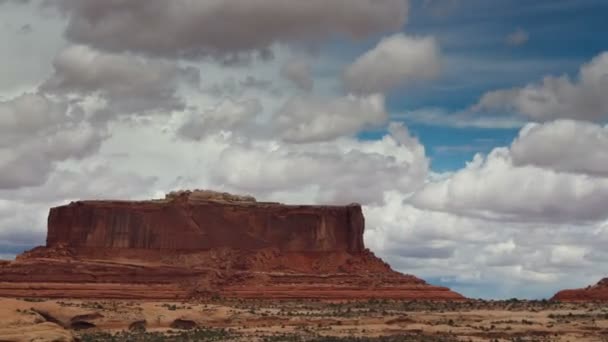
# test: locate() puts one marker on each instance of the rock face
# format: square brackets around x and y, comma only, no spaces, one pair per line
[597,292]
[201,243]
[188,223]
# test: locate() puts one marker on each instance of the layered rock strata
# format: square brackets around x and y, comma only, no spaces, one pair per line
[203,243]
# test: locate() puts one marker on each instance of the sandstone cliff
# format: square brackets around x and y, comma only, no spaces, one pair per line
[597,292]
[201,243]
[190,221]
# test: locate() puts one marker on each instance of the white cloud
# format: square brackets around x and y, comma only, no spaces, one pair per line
[36,134]
[224,29]
[129,84]
[493,188]
[228,115]
[306,119]
[463,119]
[299,72]
[557,97]
[28,114]
[302,119]
[563,145]
[485,258]
[395,61]
[501,228]
[341,171]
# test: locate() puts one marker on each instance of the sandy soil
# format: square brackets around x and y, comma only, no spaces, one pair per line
[247,320]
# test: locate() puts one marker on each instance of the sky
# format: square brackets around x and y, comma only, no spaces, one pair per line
[472,132]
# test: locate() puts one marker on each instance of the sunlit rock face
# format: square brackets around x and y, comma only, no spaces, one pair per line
[203,220]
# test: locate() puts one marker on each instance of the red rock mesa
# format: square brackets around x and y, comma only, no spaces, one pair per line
[203,243]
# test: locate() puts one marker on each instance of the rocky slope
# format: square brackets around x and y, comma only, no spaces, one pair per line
[201,243]
[597,292]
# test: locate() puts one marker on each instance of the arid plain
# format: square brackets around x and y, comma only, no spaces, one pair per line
[217,319]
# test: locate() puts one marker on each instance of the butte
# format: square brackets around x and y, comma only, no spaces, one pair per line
[196,244]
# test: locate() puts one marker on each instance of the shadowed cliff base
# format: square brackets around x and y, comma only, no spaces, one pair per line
[196,244]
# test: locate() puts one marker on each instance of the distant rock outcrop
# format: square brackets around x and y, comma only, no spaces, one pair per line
[202,243]
[597,292]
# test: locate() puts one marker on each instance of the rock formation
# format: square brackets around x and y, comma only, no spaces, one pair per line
[191,221]
[597,292]
[202,243]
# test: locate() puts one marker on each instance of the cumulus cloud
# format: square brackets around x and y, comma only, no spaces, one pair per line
[28,114]
[557,97]
[223,29]
[495,187]
[396,60]
[340,171]
[36,134]
[129,84]
[528,214]
[29,163]
[563,145]
[517,38]
[299,72]
[306,119]
[302,119]
[229,115]
[481,257]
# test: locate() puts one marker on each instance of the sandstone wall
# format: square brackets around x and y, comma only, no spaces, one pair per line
[190,225]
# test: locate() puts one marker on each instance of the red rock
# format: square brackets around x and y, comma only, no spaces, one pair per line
[203,225]
[597,292]
[204,243]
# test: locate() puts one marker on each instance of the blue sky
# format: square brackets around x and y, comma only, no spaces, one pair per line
[563,34]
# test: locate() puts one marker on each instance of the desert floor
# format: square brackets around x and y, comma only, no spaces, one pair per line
[240,320]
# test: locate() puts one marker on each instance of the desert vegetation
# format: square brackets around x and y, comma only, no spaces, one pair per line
[217,319]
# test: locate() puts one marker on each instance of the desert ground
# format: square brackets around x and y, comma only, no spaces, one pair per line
[219,319]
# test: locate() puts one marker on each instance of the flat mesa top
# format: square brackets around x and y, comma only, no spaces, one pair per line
[154,202]
[203,197]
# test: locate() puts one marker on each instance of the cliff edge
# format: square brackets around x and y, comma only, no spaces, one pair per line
[204,220]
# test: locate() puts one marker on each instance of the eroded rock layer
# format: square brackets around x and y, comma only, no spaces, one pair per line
[597,292]
[202,243]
